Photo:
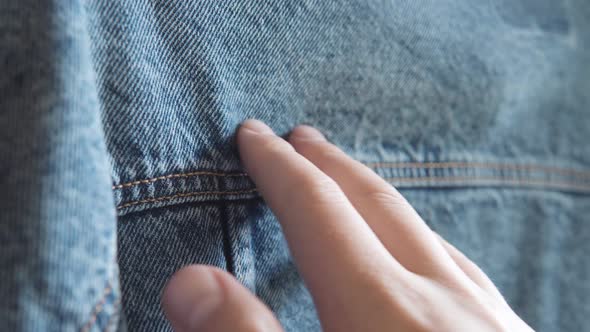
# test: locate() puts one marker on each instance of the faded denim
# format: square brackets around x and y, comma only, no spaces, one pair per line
[118,164]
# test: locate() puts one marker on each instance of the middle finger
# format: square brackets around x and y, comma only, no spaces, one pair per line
[390,216]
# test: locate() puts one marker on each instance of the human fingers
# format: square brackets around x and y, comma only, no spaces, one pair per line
[205,298]
[471,269]
[338,255]
[390,216]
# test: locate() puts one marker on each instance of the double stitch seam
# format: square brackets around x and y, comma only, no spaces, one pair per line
[98,308]
[177,175]
[397,165]
[567,184]
[497,179]
[482,165]
[114,316]
[182,195]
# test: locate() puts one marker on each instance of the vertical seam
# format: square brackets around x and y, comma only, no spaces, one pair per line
[226,238]
[98,308]
[115,314]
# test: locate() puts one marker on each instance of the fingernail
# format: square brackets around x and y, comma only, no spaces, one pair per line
[257,127]
[190,297]
[307,133]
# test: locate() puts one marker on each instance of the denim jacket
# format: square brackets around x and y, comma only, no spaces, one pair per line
[118,164]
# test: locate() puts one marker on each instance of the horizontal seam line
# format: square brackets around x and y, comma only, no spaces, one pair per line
[500,180]
[177,175]
[430,179]
[399,165]
[182,195]
[480,165]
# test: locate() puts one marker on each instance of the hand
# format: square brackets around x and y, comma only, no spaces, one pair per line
[368,259]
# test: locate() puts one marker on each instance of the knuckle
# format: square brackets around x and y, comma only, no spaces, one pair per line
[329,151]
[261,320]
[275,144]
[424,314]
[402,295]
[319,150]
[321,191]
[386,197]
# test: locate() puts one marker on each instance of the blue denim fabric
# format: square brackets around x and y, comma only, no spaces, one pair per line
[57,219]
[117,117]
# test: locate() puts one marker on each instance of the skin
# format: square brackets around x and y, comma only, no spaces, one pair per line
[370,262]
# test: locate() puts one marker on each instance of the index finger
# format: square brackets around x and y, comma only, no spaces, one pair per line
[330,241]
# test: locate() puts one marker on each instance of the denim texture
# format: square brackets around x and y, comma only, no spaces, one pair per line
[118,162]
[57,220]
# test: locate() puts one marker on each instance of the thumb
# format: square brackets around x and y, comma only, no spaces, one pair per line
[205,298]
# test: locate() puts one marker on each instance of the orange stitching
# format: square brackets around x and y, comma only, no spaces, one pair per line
[191,194]
[97,308]
[499,166]
[497,180]
[114,315]
[177,175]
[413,165]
